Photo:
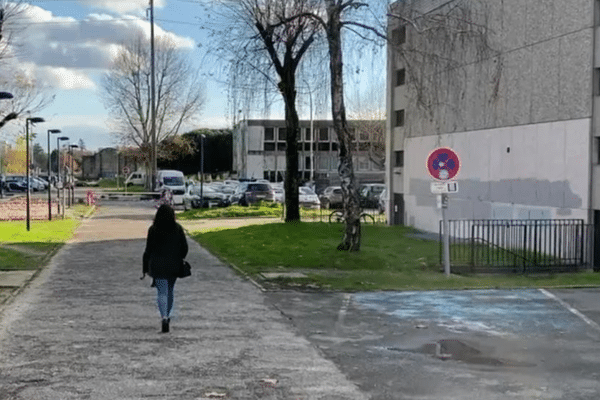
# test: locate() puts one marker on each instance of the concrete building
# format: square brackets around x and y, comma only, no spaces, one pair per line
[106,163]
[515,92]
[259,152]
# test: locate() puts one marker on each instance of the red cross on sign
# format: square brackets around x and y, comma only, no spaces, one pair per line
[443,164]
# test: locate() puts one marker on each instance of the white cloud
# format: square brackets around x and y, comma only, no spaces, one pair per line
[122,6]
[66,50]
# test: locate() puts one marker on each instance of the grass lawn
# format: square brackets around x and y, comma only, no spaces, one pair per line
[389,260]
[26,250]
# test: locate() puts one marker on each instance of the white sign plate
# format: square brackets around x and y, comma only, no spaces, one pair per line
[444,187]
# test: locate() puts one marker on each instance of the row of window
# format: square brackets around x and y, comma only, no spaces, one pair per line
[322,135]
[326,146]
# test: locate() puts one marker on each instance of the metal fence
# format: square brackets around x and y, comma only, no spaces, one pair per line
[539,245]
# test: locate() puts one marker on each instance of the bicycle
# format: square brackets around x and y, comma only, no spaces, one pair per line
[338,216]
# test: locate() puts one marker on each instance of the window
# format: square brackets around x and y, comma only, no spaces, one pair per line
[399,35]
[307,163]
[281,146]
[363,136]
[307,135]
[399,158]
[269,134]
[324,163]
[334,146]
[363,163]
[324,147]
[281,134]
[399,118]
[269,146]
[400,77]
[324,134]
[307,146]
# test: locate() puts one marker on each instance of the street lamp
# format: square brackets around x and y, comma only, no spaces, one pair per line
[72,200]
[32,121]
[3,95]
[202,136]
[59,180]
[50,174]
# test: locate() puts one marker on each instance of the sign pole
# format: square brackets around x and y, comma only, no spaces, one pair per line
[443,165]
[446,238]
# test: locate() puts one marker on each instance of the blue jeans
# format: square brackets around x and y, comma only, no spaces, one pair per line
[164,296]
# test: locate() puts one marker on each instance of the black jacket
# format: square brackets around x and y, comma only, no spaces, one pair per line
[164,252]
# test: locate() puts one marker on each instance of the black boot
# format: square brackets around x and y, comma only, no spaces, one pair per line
[165,325]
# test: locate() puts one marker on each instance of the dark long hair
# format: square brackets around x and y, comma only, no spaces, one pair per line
[164,218]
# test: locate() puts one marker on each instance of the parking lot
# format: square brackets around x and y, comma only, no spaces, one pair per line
[481,344]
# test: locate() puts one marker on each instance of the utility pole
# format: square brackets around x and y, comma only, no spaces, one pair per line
[152,98]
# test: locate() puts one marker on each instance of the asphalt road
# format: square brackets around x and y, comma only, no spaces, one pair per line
[480,344]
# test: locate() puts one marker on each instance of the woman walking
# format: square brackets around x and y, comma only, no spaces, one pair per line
[166,247]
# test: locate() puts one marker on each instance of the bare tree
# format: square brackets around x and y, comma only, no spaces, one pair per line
[333,16]
[126,94]
[9,13]
[29,96]
[264,43]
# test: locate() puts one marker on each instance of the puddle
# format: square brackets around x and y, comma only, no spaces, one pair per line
[455,350]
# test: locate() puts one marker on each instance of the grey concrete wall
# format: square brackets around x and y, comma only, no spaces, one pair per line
[541,72]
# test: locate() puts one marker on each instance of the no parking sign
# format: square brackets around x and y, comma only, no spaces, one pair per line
[443,164]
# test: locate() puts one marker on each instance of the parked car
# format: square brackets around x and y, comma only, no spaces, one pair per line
[308,198]
[332,197]
[369,194]
[16,183]
[136,178]
[40,183]
[383,201]
[174,181]
[252,192]
[278,193]
[210,197]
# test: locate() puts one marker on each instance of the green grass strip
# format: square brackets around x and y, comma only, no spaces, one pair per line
[389,259]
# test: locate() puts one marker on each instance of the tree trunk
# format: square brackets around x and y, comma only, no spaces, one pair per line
[352,232]
[287,86]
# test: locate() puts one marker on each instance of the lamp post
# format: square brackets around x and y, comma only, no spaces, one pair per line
[3,95]
[202,136]
[32,121]
[49,175]
[72,200]
[59,180]
[312,154]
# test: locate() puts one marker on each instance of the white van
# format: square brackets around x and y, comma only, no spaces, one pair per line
[172,180]
[136,178]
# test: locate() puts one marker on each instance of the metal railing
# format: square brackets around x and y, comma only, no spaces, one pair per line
[519,245]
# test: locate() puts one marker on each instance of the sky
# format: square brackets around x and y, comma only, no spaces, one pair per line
[69,45]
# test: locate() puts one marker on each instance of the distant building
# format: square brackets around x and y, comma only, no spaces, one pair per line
[259,152]
[106,163]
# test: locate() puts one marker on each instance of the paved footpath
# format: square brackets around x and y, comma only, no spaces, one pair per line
[88,328]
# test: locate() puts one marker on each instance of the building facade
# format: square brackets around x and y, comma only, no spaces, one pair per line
[106,163]
[259,152]
[517,99]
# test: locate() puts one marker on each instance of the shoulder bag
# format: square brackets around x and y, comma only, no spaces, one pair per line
[185,270]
